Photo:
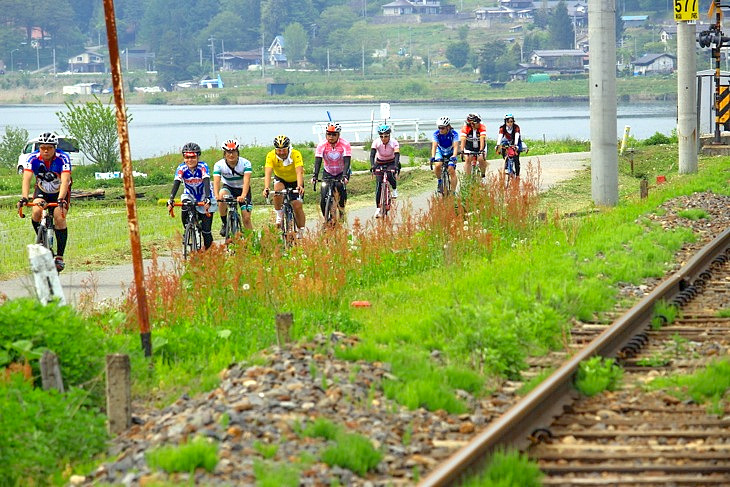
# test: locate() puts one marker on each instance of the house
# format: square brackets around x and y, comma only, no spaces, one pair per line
[563,60]
[276,52]
[654,64]
[89,61]
[138,58]
[416,7]
[239,60]
[667,33]
[82,89]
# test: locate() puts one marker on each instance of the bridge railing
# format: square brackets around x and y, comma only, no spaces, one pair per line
[361,130]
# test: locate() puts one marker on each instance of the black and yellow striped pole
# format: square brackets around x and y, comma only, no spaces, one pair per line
[716,55]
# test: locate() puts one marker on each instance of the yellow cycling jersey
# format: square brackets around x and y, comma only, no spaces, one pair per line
[286,169]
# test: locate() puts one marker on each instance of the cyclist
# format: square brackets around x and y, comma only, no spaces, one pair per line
[195,176]
[287,166]
[385,154]
[335,153]
[445,146]
[473,141]
[509,134]
[52,169]
[235,174]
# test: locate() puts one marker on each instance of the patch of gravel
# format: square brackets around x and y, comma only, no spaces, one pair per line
[264,404]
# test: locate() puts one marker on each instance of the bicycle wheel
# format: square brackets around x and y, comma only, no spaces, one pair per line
[233,224]
[191,242]
[446,181]
[328,211]
[384,203]
[287,227]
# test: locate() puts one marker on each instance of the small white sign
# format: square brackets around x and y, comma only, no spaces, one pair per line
[385,111]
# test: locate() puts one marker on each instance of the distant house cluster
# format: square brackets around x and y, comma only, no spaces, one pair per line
[417,7]
[525,9]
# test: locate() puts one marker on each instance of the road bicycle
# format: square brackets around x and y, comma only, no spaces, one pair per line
[233,218]
[46,230]
[193,233]
[385,198]
[288,222]
[471,162]
[332,211]
[445,179]
[509,152]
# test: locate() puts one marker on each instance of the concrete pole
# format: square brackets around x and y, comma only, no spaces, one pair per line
[686,97]
[604,157]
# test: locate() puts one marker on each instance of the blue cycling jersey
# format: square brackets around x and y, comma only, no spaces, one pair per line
[445,141]
[193,180]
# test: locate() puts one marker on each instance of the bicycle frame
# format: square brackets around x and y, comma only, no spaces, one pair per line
[332,212]
[288,222]
[192,234]
[233,219]
[510,153]
[46,231]
[385,199]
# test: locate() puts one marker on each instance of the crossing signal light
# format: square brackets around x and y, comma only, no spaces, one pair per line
[707,38]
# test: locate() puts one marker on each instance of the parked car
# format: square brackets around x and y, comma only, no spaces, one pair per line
[66,144]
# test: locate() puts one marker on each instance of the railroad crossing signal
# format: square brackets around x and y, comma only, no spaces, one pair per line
[712,38]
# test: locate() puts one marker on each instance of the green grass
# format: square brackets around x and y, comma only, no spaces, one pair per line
[270,474]
[199,453]
[596,375]
[507,469]
[664,314]
[708,385]
[694,214]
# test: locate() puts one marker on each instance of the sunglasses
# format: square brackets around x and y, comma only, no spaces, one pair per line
[332,133]
[230,151]
[443,127]
[384,135]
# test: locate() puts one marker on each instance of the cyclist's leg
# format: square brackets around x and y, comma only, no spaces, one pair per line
[222,206]
[342,190]
[517,165]
[378,184]
[452,176]
[391,176]
[278,200]
[246,209]
[482,164]
[206,222]
[299,216]
[468,158]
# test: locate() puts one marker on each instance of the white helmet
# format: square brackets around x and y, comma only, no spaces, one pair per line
[48,138]
[443,122]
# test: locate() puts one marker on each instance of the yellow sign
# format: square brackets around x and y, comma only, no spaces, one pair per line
[685,10]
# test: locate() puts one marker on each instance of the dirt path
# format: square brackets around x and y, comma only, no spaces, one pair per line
[110,284]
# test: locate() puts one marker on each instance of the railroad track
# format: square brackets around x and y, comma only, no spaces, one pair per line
[630,436]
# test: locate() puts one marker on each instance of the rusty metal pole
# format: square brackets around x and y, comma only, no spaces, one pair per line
[129,193]
[716,54]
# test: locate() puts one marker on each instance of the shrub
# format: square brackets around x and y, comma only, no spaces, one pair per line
[354,452]
[12,145]
[42,431]
[596,375]
[185,458]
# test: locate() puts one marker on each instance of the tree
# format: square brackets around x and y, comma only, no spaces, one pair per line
[562,35]
[12,145]
[295,41]
[457,53]
[94,126]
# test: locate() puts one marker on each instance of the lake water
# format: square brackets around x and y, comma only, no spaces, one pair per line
[159,129]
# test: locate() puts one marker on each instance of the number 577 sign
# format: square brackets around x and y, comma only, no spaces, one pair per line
[685,9]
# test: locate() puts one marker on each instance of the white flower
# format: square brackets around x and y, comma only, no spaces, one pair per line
[557,242]
[268,269]
[466,227]
[246,287]
[301,276]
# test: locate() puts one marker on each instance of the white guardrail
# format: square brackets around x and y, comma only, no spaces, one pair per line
[362,130]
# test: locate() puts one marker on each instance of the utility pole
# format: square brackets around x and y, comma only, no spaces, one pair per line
[602,76]
[212,40]
[686,97]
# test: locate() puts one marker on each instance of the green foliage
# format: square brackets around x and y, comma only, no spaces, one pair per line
[597,374]
[295,40]
[709,384]
[562,35]
[94,126]
[354,452]
[267,451]
[507,469]
[199,453]
[659,138]
[270,474]
[41,431]
[11,145]
[320,428]
[664,314]
[457,53]
[77,343]
[694,214]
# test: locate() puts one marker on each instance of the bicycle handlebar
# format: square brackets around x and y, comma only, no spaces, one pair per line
[315,181]
[47,205]
[172,212]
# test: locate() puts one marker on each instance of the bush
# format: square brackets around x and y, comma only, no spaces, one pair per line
[185,458]
[596,375]
[42,431]
[12,145]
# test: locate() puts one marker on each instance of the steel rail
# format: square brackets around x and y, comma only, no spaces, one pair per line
[537,409]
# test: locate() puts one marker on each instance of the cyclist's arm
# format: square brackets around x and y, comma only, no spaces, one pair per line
[397,160]
[482,141]
[267,177]
[462,142]
[300,178]
[346,172]
[217,184]
[25,187]
[317,165]
[65,183]
[175,187]
[372,158]
[433,149]
[206,187]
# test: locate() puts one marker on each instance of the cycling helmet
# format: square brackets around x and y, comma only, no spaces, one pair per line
[473,117]
[443,122]
[384,129]
[281,142]
[230,144]
[48,138]
[507,116]
[191,147]
[333,127]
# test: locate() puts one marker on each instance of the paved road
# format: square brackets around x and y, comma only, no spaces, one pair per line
[111,283]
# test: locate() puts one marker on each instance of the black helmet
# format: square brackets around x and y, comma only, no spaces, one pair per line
[191,147]
[473,117]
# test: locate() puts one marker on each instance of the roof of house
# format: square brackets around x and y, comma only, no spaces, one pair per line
[647,59]
[398,3]
[559,52]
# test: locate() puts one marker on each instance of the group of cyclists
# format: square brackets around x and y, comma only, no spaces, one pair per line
[284,165]
[471,143]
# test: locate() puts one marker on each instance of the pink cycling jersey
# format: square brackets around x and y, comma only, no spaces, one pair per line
[333,158]
[385,152]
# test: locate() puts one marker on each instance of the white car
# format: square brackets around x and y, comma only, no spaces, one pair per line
[66,144]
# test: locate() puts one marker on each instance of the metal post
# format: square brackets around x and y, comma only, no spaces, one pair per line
[604,157]
[716,55]
[686,96]
[129,193]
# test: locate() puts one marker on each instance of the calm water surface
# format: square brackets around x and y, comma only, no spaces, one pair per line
[159,129]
